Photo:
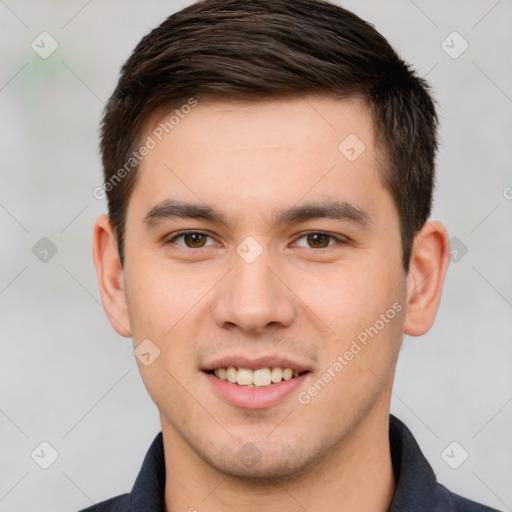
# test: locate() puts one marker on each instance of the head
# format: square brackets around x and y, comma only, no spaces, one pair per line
[300,148]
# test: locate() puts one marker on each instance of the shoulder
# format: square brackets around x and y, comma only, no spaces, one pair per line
[119,503]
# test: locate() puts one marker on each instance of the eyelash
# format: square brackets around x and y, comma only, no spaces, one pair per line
[192,232]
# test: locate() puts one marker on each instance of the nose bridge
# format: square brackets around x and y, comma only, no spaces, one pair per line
[252,297]
[252,280]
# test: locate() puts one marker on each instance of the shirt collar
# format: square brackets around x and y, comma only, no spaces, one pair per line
[148,490]
[415,480]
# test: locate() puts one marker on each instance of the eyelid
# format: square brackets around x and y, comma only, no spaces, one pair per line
[172,238]
[340,239]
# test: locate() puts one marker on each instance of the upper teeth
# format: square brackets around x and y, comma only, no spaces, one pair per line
[256,378]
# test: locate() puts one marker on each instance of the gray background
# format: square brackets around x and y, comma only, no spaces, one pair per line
[68,379]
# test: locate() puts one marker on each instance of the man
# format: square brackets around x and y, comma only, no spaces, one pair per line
[269,169]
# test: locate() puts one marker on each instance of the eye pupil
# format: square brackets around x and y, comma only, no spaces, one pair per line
[318,240]
[195,240]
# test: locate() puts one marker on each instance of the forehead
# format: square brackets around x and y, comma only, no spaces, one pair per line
[289,122]
[259,154]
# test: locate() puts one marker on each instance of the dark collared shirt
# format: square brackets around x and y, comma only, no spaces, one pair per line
[417,489]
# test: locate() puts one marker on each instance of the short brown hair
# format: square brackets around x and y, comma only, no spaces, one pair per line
[254,50]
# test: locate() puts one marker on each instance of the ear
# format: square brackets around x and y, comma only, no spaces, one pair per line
[110,275]
[427,270]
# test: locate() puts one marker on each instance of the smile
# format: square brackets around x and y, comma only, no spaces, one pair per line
[261,388]
[259,378]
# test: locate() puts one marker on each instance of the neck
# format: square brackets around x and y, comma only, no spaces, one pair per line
[356,475]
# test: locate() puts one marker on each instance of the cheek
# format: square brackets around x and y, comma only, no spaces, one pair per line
[365,312]
[144,300]
[160,304]
[167,306]
[347,298]
[159,296]
[362,307]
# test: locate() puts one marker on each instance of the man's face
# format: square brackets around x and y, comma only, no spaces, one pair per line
[266,282]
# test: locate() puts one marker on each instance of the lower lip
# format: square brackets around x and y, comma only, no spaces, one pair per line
[254,398]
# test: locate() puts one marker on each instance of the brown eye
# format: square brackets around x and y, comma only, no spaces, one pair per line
[194,240]
[318,240]
[191,240]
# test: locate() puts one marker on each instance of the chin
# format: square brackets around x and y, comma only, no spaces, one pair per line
[262,466]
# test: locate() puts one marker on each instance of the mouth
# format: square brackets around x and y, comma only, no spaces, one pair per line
[257,378]
[259,383]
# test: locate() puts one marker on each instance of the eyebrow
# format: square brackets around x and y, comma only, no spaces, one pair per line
[336,209]
[169,209]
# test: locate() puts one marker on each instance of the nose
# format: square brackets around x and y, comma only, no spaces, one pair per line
[252,297]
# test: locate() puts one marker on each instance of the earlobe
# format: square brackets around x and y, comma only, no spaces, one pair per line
[427,270]
[110,275]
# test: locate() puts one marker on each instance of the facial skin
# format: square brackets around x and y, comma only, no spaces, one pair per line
[249,162]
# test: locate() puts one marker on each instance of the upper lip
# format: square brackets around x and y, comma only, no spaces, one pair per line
[253,363]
